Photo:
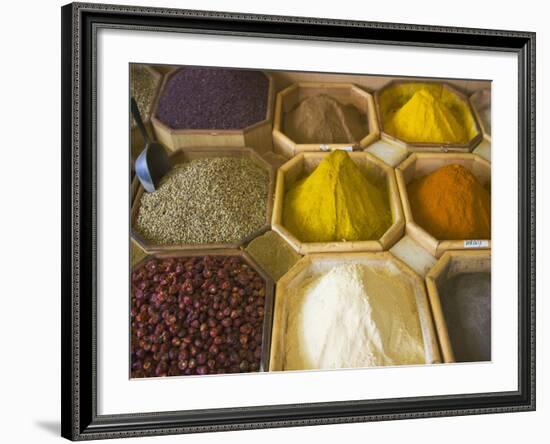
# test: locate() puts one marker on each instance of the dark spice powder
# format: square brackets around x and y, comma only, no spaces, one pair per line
[466,304]
[213,98]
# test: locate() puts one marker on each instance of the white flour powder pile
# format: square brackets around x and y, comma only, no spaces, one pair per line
[353,316]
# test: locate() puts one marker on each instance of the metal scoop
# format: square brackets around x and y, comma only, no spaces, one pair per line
[153,162]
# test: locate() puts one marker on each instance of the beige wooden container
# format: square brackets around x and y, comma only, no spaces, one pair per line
[481,101]
[451,264]
[256,136]
[369,82]
[187,155]
[269,289]
[315,264]
[421,164]
[376,170]
[380,97]
[137,144]
[345,93]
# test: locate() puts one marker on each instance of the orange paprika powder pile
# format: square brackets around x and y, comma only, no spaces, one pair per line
[451,203]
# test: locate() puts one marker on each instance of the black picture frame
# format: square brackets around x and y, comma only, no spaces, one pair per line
[79,416]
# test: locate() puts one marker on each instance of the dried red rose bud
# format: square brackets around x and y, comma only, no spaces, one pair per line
[196,315]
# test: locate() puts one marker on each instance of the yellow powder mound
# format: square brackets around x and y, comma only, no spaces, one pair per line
[426,113]
[336,203]
[425,119]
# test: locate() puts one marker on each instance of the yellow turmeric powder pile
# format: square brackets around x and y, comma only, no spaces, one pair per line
[426,113]
[336,202]
[451,203]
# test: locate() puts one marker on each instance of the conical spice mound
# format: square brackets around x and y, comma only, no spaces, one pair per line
[426,118]
[451,204]
[336,202]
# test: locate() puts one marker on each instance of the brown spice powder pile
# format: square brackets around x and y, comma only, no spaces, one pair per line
[322,119]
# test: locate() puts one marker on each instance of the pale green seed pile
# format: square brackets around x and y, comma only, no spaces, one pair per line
[142,88]
[210,200]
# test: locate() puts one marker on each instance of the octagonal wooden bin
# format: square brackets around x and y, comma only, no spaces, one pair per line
[314,264]
[137,144]
[376,170]
[421,164]
[379,98]
[451,264]
[345,93]
[256,136]
[186,155]
[269,289]
[481,101]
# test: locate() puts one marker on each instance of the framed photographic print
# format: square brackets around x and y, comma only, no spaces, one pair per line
[280,221]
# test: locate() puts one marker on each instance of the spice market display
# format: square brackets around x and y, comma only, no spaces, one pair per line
[400,275]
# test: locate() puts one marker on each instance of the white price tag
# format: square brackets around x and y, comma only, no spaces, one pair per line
[476,244]
[345,148]
[325,147]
